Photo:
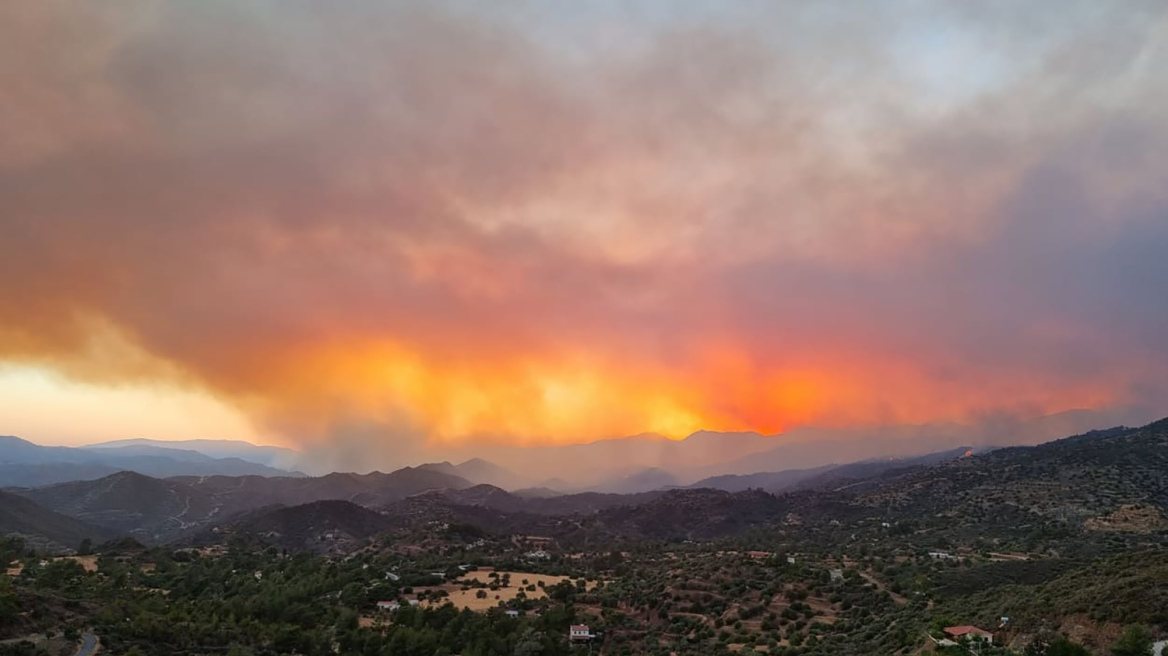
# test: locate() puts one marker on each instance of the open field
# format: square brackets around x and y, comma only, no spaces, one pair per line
[88,562]
[469,598]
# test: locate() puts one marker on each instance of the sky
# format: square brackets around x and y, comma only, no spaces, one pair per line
[440,224]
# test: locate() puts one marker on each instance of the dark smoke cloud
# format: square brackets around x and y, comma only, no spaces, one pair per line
[257,198]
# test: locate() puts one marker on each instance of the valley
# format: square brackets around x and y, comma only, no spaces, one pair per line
[1064,538]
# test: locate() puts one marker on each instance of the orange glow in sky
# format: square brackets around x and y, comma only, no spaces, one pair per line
[461,225]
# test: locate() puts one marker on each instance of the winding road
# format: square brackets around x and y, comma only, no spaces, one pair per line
[89,645]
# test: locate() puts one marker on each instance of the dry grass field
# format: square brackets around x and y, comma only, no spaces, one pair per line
[469,598]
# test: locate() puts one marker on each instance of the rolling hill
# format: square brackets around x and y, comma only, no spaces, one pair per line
[159,510]
[320,526]
[128,503]
[42,527]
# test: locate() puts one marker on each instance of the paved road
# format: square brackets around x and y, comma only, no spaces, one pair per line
[88,645]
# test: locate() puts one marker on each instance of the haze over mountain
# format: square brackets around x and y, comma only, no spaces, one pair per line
[162,510]
[23,463]
[272,456]
[601,464]
[478,470]
[622,465]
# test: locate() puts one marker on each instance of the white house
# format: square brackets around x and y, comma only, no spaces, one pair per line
[512,613]
[579,632]
[388,606]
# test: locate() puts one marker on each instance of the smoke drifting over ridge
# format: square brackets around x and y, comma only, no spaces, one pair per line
[528,223]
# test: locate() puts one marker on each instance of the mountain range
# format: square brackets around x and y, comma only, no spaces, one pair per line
[612,465]
[156,510]
[1094,479]
[1104,480]
[271,456]
[25,464]
[632,464]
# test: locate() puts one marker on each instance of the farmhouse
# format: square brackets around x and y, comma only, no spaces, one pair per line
[579,632]
[389,606]
[967,632]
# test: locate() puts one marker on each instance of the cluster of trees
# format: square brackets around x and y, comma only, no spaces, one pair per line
[654,598]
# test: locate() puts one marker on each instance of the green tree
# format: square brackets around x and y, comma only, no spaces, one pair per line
[1065,647]
[1135,641]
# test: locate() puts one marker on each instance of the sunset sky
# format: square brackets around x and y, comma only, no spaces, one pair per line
[546,222]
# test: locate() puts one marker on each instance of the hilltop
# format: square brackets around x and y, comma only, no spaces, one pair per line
[44,528]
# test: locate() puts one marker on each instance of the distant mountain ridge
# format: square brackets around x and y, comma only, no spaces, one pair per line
[271,456]
[25,464]
[477,470]
[828,475]
[704,453]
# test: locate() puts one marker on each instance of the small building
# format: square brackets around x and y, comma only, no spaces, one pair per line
[388,606]
[790,560]
[538,554]
[579,632]
[941,555]
[512,613]
[966,632]
[837,575]
[390,576]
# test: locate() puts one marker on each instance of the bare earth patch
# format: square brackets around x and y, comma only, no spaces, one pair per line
[1128,518]
[469,598]
[88,562]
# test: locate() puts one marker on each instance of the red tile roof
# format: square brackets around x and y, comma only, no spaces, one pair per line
[958,631]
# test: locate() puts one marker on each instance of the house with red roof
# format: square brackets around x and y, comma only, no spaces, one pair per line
[968,632]
[579,632]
